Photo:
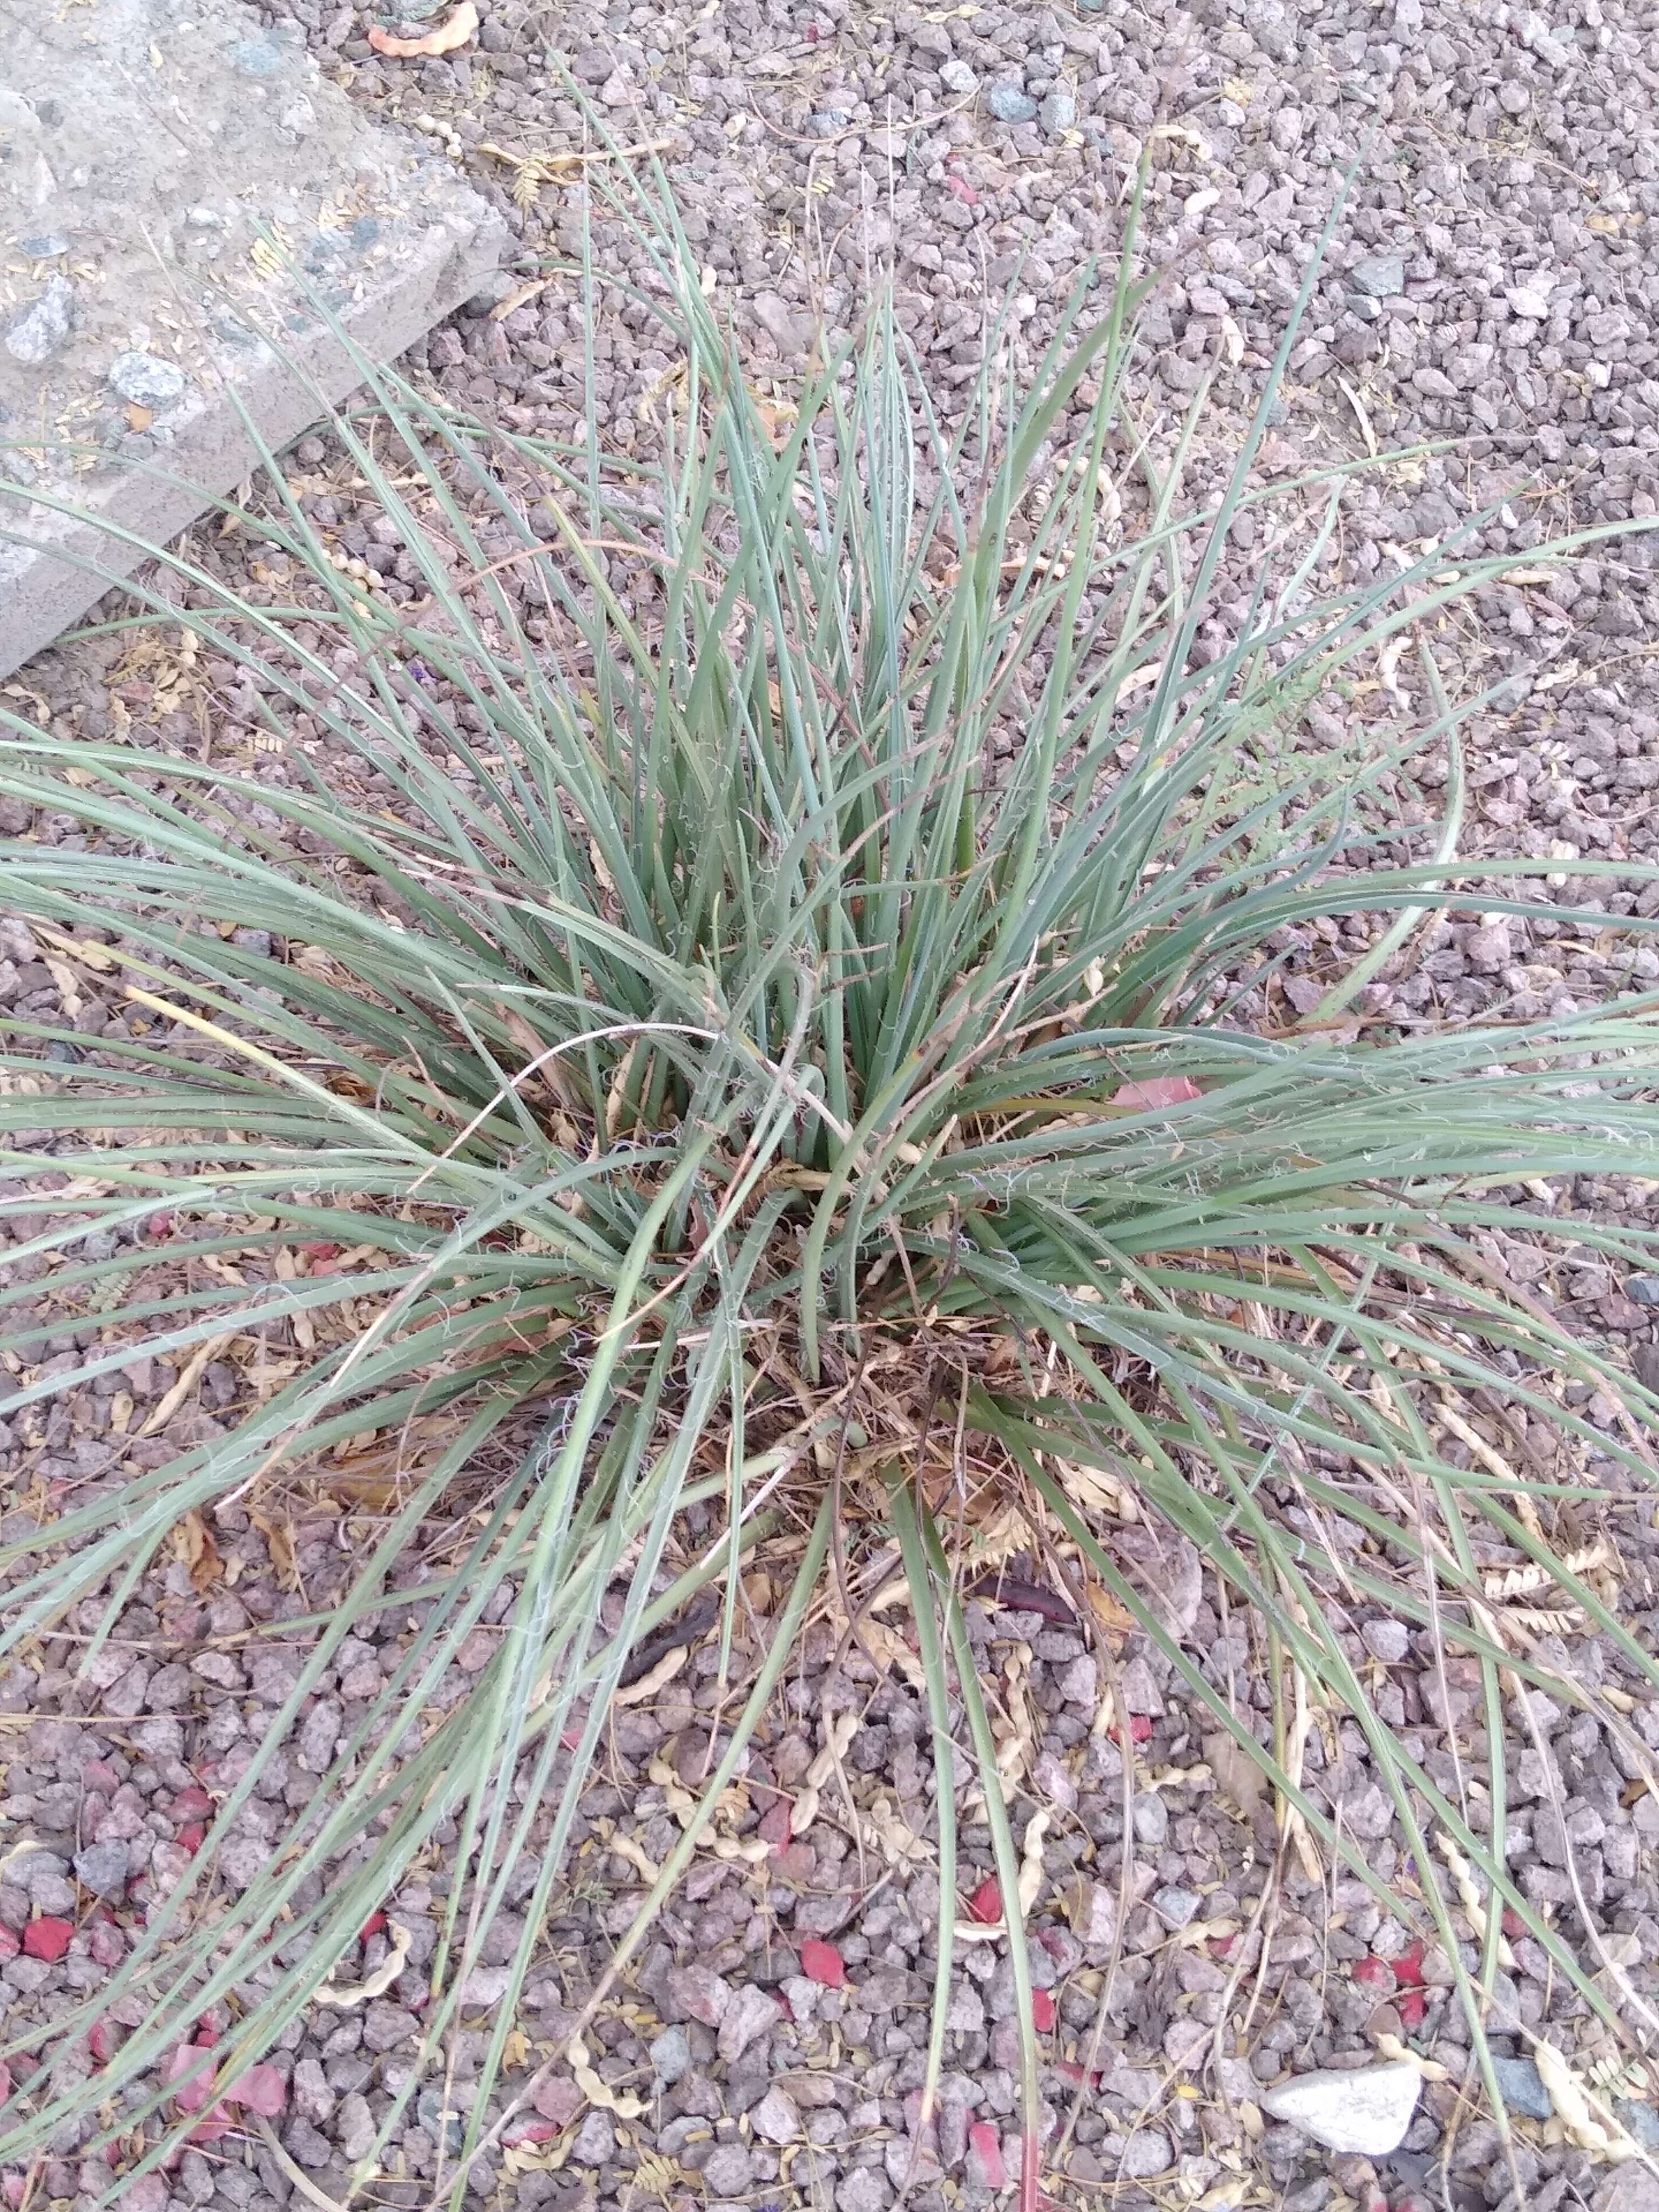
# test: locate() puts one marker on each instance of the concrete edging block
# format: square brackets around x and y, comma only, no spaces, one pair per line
[156,148]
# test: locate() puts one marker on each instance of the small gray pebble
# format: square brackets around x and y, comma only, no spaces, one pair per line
[1379,276]
[1643,1288]
[355,2126]
[386,2026]
[730,2170]
[41,331]
[776,2119]
[439,2121]
[1178,1905]
[884,1991]
[301,2141]
[145,381]
[596,2142]
[1011,103]
[45,245]
[1058,113]
[1386,1640]
[1146,2153]
[1151,1817]
[750,2013]
[314,2100]
[104,1868]
[955,77]
[242,1859]
[1522,2087]
[45,1877]
[1639,2120]
[671,2055]
[196,2177]
[863,2190]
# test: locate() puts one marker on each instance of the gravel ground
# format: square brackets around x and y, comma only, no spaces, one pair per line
[1491,283]
[774,2031]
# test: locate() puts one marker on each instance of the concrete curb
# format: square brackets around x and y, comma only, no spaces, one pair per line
[155,156]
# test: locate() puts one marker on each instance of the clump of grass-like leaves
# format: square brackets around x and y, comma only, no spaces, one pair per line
[732,1095]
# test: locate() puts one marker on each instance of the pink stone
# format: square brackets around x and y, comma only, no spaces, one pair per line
[821,1962]
[190,2076]
[985,2169]
[557,2099]
[1157,1091]
[261,2089]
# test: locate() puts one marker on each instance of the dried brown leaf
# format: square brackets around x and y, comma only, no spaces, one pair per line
[1115,1621]
[379,1981]
[198,1550]
[1237,1776]
[203,1355]
[279,1541]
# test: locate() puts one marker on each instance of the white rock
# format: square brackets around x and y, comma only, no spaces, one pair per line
[1540,38]
[1526,300]
[1364,2113]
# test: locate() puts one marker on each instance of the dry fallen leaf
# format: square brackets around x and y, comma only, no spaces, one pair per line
[1095,1491]
[379,1981]
[596,2089]
[1390,2047]
[1114,1620]
[641,1693]
[198,1551]
[203,1355]
[1237,1774]
[1474,1904]
[279,1541]
[519,296]
[68,990]
[448,35]
[89,953]
[633,1851]
[1029,1885]
[1592,2129]
[896,1840]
